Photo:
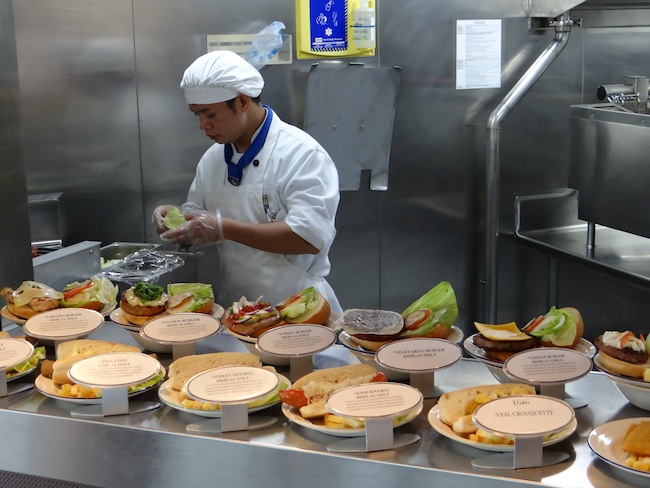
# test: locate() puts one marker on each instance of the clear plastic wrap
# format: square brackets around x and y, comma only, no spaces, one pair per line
[146,265]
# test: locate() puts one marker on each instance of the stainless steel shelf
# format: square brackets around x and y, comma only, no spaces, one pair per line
[154,449]
[549,223]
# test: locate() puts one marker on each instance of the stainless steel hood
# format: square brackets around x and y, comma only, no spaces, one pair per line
[555,8]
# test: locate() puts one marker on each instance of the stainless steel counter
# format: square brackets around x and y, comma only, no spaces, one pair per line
[153,449]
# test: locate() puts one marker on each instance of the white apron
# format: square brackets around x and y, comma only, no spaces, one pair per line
[248,272]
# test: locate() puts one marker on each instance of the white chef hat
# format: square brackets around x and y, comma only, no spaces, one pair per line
[219,76]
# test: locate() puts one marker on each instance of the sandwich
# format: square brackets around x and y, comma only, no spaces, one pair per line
[310,393]
[70,352]
[189,297]
[251,318]
[455,409]
[371,329]
[306,307]
[182,369]
[31,298]
[624,353]
[95,293]
[559,327]
[143,302]
[431,315]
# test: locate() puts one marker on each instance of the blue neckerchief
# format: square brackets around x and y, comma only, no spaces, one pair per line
[235,171]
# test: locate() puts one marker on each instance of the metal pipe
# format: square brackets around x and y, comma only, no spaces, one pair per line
[562,30]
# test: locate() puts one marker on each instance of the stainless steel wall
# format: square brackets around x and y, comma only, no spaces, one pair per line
[105,123]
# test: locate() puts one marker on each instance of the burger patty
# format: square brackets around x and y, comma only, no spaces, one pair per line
[504,346]
[626,354]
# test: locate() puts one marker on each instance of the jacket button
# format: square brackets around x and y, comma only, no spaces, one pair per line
[256,163]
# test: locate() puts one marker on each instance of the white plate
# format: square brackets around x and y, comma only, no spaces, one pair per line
[606,441]
[118,317]
[17,320]
[47,387]
[294,415]
[171,397]
[620,378]
[455,337]
[584,346]
[443,429]
[24,373]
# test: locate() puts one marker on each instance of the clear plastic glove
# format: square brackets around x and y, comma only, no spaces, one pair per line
[158,218]
[200,229]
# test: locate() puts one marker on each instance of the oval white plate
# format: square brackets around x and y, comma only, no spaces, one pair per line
[47,387]
[584,346]
[455,337]
[293,415]
[17,320]
[606,441]
[117,317]
[443,429]
[172,398]
[620,378]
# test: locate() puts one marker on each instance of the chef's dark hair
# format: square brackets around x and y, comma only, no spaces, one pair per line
[231,102]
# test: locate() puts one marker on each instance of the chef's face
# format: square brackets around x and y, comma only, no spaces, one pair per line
[222,122]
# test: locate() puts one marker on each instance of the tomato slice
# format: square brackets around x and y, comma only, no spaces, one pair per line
[294,398]
[77,289]
[288,301]
[626,337]
[530,326]
[415,319]
[379,378]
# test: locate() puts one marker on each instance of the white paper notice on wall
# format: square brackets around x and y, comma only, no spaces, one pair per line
[478,54]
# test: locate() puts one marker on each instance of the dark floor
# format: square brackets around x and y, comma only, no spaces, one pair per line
[17,480]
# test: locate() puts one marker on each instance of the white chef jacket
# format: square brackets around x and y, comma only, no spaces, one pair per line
[294,181]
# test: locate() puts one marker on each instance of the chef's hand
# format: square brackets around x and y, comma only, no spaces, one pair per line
[158,218]
[200,229]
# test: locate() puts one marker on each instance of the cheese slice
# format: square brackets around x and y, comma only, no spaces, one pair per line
[502,332]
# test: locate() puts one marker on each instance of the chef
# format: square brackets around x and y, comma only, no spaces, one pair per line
[266,192]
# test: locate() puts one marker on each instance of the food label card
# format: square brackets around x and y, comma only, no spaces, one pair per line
[14,351]
[179,328]
[114,369]
[296,340]
[374,400]
[548,365]
[63,323]
[231,384]
[526,415]
[418,354]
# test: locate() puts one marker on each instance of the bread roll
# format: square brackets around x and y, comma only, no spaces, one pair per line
[623,368]
[335,375]
[184,368]
[70,352]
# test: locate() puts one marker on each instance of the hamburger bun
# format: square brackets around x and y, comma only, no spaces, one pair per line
[622,368]
[307,307]
[251,318]
[371,329]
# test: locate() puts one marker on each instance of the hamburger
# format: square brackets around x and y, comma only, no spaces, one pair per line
[371,329]
[189,297]
[431,315]
[623,353]
[306,307]
[31,298]
[251,318]
[559,327]
[95,293]
[143,302]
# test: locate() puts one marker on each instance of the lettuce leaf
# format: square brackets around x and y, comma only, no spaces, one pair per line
[31,363]
[441,301]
